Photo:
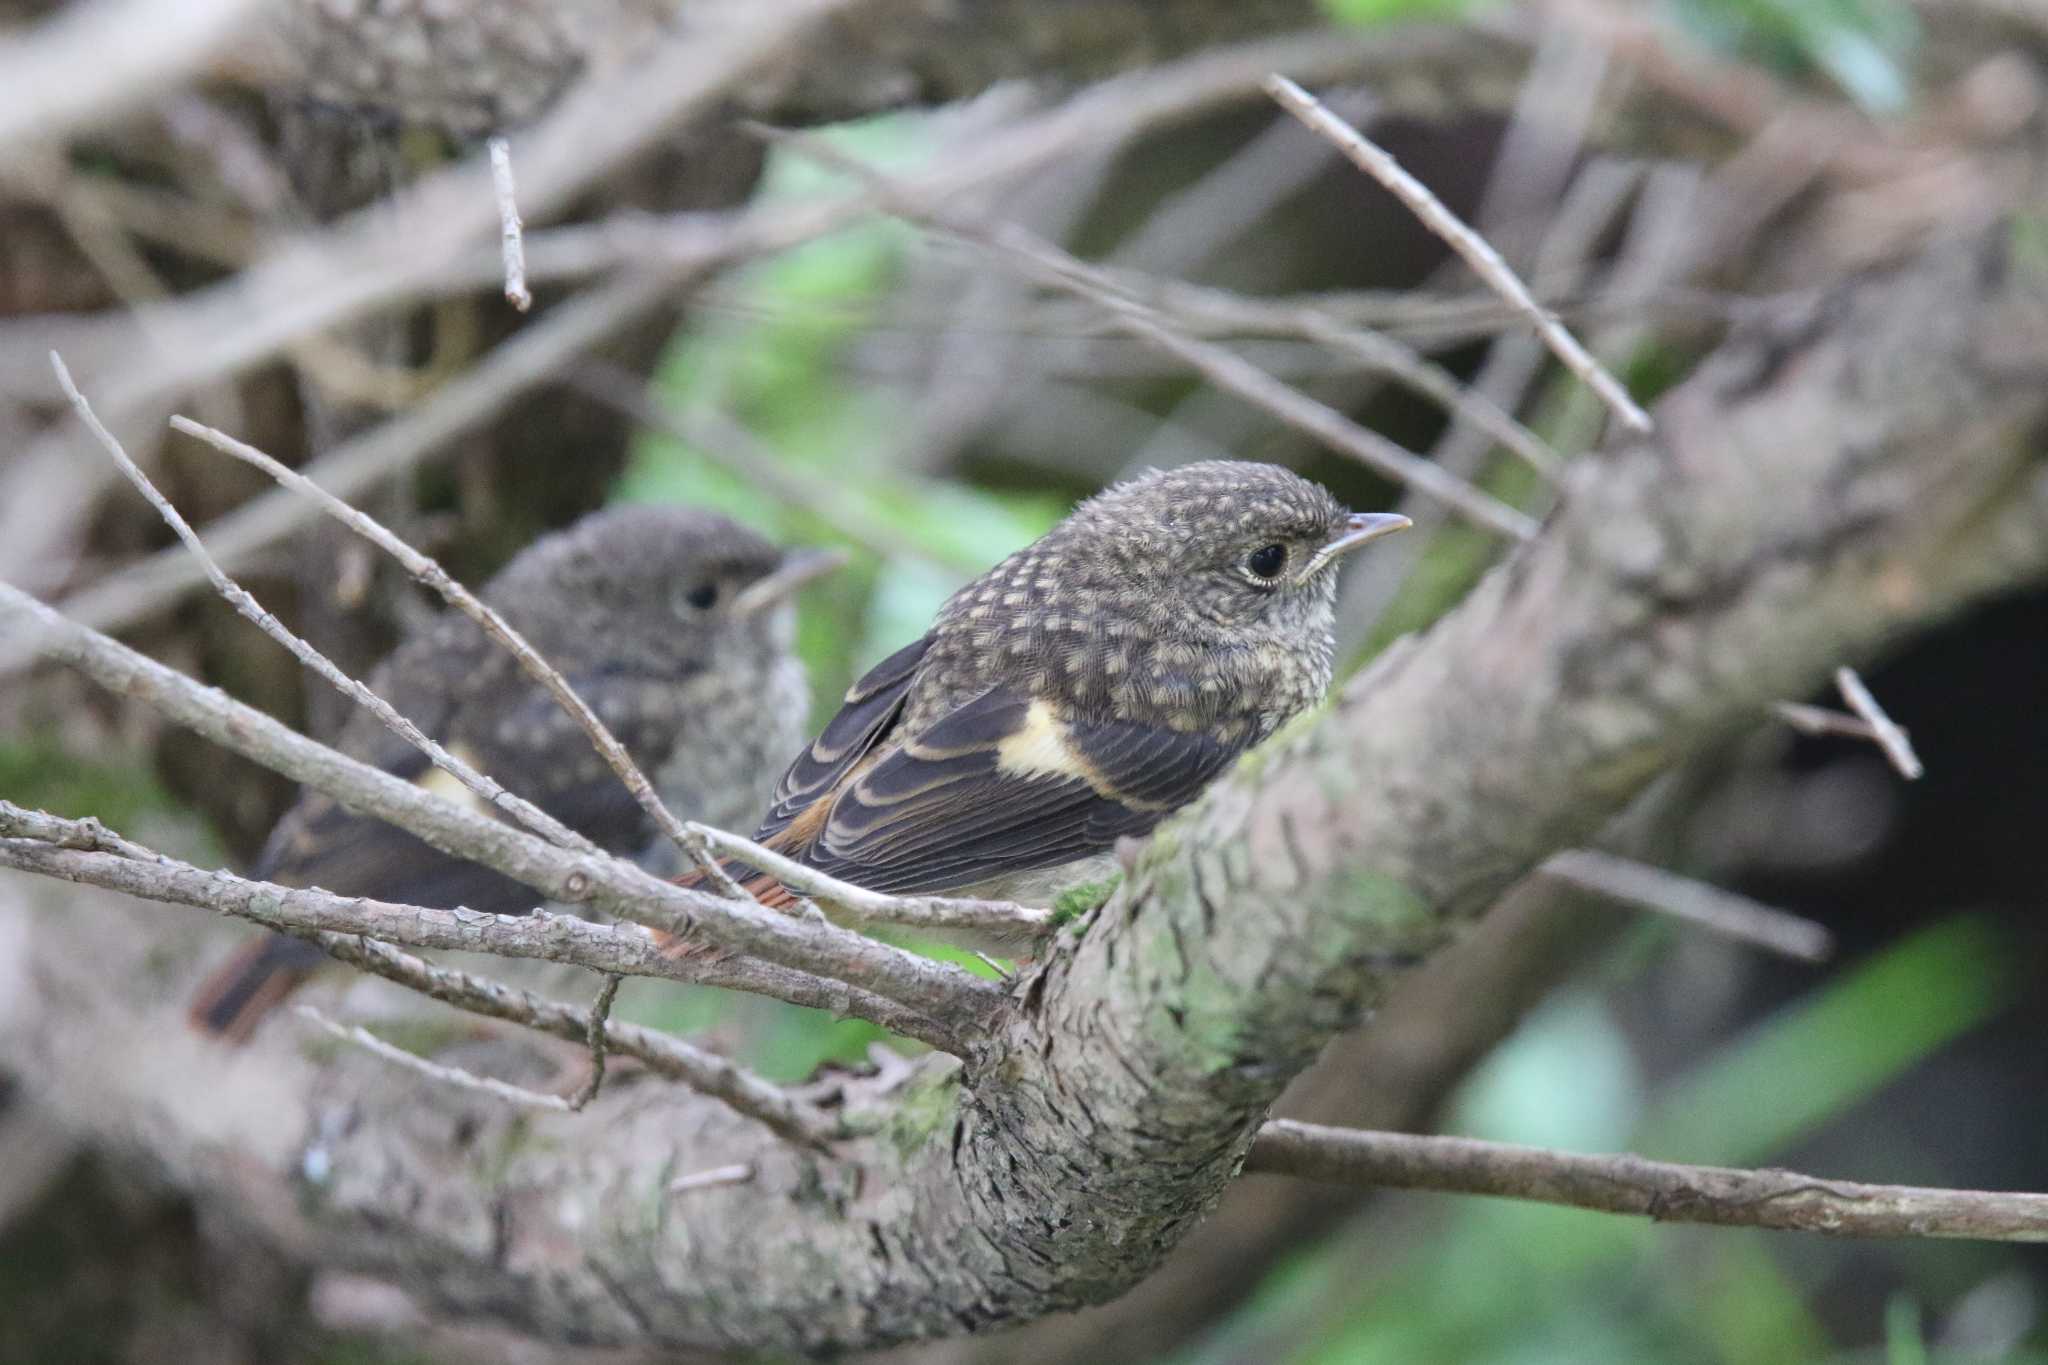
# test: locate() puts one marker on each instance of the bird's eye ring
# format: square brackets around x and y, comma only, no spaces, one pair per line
[702,597]
[1266,562]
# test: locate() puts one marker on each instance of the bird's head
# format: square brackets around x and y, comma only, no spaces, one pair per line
[1247,548]
[663,590]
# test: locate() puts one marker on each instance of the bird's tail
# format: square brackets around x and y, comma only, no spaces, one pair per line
[759,885]
[243,990]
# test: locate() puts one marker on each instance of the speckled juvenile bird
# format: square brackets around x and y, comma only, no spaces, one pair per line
[1079,691]
[672,623]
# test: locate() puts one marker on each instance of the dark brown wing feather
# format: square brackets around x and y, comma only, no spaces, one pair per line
[942,810]
[871,710]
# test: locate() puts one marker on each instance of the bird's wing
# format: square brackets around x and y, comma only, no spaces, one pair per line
[1006,784]
[529,745]
[537,749]
[321,843]
[871,708]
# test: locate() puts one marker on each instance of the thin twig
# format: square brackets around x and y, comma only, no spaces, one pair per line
[1376,162]
[1668,893]
[1210,312]
[1001,918]
[594,1027]
[701,853]
[1889,735]
[1819,720]
[740,452]
[90,63]
[1661,1190]
[511,231]
[800,961]
[17,822]
[1220,366]
[486,790]
[320,280]
[544,937]
[427,571]
[662,1053]
[738,1174]
[435,1071]
[529,357]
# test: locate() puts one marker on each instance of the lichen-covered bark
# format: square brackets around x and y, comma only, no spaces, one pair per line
[1851,468]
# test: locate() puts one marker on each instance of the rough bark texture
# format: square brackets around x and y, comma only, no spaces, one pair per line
[1848,469]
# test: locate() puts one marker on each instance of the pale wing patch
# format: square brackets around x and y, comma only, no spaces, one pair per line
[1039,748]
[444,784]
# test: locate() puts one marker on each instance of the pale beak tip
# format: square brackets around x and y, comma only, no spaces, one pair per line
[1375,524]
[798,568]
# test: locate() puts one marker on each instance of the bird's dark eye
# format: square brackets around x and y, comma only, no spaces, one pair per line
[1267,561]
[703,596]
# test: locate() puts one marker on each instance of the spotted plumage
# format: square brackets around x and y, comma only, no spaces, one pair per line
[672,623]
[1080,690]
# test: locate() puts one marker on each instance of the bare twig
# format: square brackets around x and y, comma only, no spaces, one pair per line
[238,597]
[546,936]
[16,822]
[531,356]
[1221,367]
[1662,1190]
[511,232]
[662,1053]
[1883,729]
[734,448]
[435,1071]
[1819,720]
[699,848]
[427,571]
[594,1028]
[1374,161]
[91,62]
[388,250]
[931,1000]
[1000,918]
[737,1174]
[1375,351]
[1667,893]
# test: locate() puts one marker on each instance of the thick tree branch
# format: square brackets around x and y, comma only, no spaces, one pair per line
[1662,1190]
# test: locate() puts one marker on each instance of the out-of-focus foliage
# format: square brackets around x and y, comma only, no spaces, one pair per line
[1863,46]
[1366,12]
[1496,1282]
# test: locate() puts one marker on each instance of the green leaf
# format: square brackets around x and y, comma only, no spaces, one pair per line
[1369,13]
[1799,1069]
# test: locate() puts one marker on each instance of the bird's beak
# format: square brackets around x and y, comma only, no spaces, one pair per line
[797,569]
[1359,528]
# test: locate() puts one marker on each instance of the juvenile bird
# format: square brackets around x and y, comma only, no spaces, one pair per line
[1079,691]
[672,623]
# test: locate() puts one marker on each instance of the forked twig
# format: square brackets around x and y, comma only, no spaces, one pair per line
[427,571]
[1888,734]
[484,788]
[1369,157]
[863,907]
[435,1071]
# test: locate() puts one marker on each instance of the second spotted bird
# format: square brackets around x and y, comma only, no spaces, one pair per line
[672,623]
